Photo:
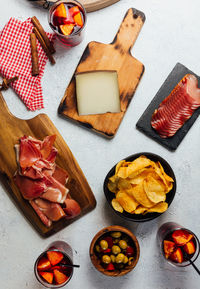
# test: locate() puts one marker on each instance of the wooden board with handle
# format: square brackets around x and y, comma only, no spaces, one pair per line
[11,129]
[114,56]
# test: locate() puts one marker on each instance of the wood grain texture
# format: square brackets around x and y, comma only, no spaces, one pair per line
[114,56]
[11,129]
[93,5]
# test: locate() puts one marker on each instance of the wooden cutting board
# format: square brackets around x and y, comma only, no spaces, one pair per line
[93,5]
[11,129]
[114,56]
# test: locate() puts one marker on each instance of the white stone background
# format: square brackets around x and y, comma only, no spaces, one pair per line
[169,35]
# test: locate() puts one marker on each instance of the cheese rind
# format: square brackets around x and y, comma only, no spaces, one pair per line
[97,92]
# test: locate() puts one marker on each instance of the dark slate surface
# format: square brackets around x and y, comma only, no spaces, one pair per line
[144,123]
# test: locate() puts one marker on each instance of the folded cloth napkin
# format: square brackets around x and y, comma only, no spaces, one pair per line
[15,60]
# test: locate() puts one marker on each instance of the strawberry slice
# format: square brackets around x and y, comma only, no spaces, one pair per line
[60,11]
[54,257]
[43,264]
[47,276]
[189,248]
[177,256]
[169,248]
[74,10]
[181,237]
[59,277]
[67,29]
[78,19]
[110,267]
[106,251]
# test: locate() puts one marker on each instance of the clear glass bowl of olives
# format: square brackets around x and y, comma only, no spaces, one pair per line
[114,251]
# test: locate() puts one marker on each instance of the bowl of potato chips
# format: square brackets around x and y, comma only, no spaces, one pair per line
[141,187]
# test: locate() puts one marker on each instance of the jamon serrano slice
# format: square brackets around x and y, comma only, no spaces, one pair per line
[52,211]
[177,108]
[72,208]
[40,214]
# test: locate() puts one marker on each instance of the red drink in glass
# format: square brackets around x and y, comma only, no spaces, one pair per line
[50,267]
[177,244]
[68,19]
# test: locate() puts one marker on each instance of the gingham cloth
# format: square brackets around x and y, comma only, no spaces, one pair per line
[15,60]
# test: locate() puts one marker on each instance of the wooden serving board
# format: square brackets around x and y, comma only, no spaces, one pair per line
[144,123]
[114,56]
[11,129]
[93,5]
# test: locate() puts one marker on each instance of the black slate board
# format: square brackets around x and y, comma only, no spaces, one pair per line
[144,123]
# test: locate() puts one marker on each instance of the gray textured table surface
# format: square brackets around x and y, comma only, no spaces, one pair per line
[170,35]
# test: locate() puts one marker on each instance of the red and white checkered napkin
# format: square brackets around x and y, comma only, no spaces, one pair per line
[15,60]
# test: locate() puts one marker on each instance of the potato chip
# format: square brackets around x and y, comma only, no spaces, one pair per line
[112,186]
[159,208]
[140,196]
[140,210]
[135,166]
[154,189]
[116,206]
[128,203]
[119,165]
[124,184]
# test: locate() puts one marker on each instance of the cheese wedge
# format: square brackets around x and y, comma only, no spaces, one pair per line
[97,92]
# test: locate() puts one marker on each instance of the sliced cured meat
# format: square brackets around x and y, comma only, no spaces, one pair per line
[60,175]
[41,215]
[54,195]
[177,108]
[28,153]
[29,188]
[53,211]
[72,208]
[47,145]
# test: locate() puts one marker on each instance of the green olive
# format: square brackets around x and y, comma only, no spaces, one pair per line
[106,259]
[116,249]
[97,247]
[116,234]
[104,244]
[125,260]
[119,258]
[130,261]
[120,266]
[123,245]
[112,258]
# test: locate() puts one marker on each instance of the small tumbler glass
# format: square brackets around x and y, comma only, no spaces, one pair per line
[67,251]
[166,230]
[77,36]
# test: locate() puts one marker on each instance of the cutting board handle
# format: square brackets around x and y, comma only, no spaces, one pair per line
[129,30]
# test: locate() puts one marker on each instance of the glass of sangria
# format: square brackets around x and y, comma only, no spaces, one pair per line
[53,268]
[68,19]
[178,244]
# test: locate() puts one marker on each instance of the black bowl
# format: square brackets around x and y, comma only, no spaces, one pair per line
[149,216]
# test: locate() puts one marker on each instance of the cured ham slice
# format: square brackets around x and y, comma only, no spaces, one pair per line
[42,182]
[177,108]
[52,211]
[72,208]
[30,188]
[41,215]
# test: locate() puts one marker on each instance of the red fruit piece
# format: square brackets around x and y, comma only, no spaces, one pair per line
[47,276]
[106,251]
[54,257]
[181,237]
[109,240]
[74,10]
[129,251]
[189,248]
[67,29]
[60,277]
[78,19]
[43,264]
[177,256]
[110,267]
[169,248]
[60,11]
